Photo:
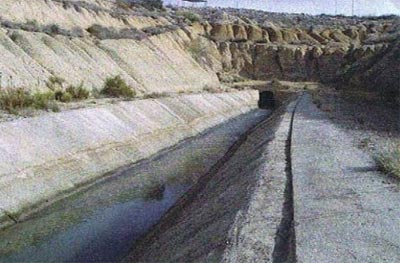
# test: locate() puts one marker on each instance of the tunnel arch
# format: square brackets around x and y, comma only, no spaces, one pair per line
[266,100]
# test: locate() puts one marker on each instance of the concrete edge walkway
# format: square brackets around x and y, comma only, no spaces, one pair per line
[344,210]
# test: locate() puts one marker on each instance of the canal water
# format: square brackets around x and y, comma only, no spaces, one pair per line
[101,224]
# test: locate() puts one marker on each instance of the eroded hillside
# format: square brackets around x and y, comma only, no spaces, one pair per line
[178,50]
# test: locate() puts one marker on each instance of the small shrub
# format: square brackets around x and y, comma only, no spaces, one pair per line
[43,101]
[152,4]
[66,97]
[99,31]
[77,32]
[55,29]
[12,100]
[192,17]
[211,89]
[116,87]
[102,32]
[124,5]
[155,95]
[388,161]
[131,33]
[78,92]
[14,36]
[55,83]
[276,84]
[31,25]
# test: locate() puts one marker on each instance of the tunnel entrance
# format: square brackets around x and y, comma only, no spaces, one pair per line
[267,100]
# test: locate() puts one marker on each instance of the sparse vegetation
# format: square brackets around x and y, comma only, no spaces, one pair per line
[123,4]
[117,87]
[13,100]
[155,95]
[44,101]
[31,25]
[157,30]
[192,17]
[50,29]
[78,92]
[152,4]
[211,89]
[388,160]
[102,32]
[197,50]
[55,83]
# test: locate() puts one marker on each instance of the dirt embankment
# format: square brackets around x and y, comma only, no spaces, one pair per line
[175,51]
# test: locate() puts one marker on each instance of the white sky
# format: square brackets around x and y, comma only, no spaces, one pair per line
[361,7]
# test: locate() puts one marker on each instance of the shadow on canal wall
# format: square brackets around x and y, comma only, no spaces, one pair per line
[55,154]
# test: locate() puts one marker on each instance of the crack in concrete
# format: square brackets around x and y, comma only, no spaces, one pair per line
[285,238]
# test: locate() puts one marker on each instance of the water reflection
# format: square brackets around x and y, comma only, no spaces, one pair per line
[103,222]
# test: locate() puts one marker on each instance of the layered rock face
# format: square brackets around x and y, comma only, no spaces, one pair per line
[381,72]
[269,51]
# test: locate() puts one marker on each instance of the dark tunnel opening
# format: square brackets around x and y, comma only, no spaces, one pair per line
[267,100]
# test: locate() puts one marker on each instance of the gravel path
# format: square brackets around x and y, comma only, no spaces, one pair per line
[344,210]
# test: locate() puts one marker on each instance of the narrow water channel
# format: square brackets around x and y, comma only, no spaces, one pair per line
[102,223]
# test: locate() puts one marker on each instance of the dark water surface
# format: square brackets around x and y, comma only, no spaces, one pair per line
[103,222]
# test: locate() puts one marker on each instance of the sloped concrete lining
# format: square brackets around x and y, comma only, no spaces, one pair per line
[234,212]
[43,157]
[344,210]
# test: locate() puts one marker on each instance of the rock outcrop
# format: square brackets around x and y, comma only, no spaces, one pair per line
[292,53]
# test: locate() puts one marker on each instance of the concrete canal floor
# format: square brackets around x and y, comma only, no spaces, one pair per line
[102,223]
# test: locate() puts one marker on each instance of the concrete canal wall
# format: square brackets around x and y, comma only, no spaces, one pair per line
[45,157]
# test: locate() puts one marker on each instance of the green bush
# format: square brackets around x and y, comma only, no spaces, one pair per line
[117,87]
[388,161]
[152,4]
[78,92]
[192,17]
[31,25]
[66,97]
[44,101]
[123,4]
[55,83]
[12,100]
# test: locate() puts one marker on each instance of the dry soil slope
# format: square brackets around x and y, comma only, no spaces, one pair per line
[156,64]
